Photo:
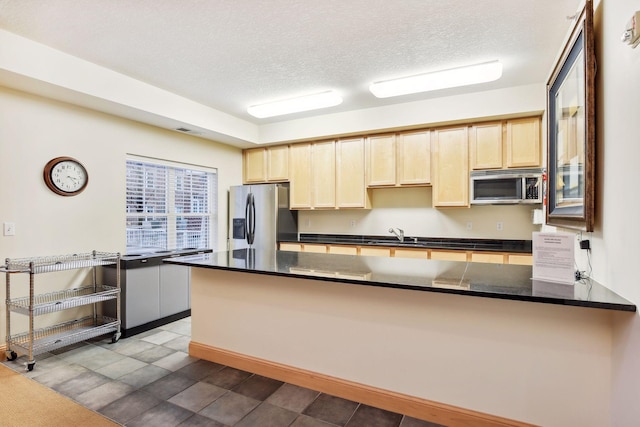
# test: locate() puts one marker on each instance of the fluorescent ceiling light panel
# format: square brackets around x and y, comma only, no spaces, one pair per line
[462,76]
[295,105]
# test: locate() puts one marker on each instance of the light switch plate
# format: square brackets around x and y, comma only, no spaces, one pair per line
[9,228]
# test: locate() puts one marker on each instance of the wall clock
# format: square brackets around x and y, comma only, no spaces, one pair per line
[65,176]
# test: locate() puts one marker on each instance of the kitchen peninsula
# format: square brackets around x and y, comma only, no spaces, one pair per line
[450,342]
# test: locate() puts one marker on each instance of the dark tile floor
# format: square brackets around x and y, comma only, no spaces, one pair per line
[150,380]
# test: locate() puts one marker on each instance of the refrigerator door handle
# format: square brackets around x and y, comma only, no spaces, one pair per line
[246,217]
[251,218]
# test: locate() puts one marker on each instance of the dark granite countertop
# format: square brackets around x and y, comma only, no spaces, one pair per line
[501,281]
[492,245]
[155,257]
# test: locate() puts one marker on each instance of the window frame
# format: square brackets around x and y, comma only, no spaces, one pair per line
[165,216]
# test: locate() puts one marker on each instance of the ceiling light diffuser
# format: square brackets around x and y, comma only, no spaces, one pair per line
[294,105]
[453,77]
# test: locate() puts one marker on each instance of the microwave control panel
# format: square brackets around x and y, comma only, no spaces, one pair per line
[532,188]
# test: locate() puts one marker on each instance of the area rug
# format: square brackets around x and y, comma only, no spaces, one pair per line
[24,402]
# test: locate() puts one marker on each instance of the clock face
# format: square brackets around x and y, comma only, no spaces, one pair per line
[65,176]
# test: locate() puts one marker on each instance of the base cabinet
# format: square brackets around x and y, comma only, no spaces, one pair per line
[421,253]
[141,296]
[152,295]
[175,295]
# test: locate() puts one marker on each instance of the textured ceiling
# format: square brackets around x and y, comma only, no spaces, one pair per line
[229,54]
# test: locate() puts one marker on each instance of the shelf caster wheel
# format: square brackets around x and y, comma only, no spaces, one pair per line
[30,366]
[115,338]
[11,355]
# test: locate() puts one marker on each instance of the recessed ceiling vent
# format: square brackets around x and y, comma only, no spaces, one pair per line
[183,130]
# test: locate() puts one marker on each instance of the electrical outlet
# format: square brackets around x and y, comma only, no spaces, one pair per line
[469,226]
[499,226]
[308,222]
[352,223]
[9,228]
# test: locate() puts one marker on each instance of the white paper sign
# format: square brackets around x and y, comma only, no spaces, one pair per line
[553,257]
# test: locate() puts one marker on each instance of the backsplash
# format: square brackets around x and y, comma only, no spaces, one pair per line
[411,210]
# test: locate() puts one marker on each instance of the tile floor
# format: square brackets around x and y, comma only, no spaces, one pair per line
[150,380]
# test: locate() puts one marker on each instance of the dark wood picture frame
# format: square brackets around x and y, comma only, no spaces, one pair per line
[571,130]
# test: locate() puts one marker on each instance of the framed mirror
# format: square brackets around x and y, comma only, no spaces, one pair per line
[571,127]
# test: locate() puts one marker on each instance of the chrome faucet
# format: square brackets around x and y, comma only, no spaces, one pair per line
[399,233]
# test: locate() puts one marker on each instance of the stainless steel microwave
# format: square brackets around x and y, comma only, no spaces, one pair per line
[512,186]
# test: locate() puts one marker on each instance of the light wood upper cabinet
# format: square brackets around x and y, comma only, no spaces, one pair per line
[485,146]
[450,167]
[414,158]
[399,159]
[278,163]
[255,165]
[323,174]
[513,143]
[266,164]
[300,176]
[351,191]
[312,175]
[523,143]
[381,160]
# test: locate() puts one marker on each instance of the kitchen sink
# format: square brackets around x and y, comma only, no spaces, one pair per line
[406,243]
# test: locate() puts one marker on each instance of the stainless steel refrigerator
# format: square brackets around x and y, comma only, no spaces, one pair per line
[259,217]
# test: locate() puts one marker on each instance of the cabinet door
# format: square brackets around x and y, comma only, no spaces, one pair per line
[448,255]
[174,289]
[323,169]
[375,251]
[278,163]
[381,160]
[491,258]
[255,166]
[525,259]
[142,295]
[523,142]
[321,249]
[414,158]
[451,167]
[292,247]
[486,146]
[411,253]
[343,250]
[351,189]
[300,176]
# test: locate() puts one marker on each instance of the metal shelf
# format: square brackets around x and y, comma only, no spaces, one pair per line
[62,300]
[49,264]
[63,334]
[37,341]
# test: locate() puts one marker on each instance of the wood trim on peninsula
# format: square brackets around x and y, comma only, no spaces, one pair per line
[424,409]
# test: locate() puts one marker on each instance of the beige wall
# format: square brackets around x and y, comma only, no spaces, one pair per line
[411,209]
[617,232]
[34,130]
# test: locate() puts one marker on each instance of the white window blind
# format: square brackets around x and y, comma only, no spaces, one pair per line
[170,206]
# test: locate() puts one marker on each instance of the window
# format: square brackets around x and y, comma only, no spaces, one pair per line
[170,206]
